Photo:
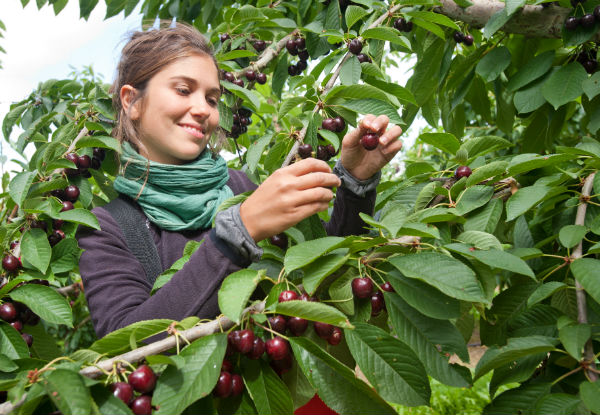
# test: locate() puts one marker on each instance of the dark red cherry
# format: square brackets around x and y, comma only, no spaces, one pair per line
[84,162]
[462,171]
[18,325]
[386,286]
[123,391]
[229,77]
[250,75]
[278,323]
[363,58]
[72,192]
[300,43]
[336,337]
[143,379]
[322,153]
[8,312]
[73,158]
[245,341]
[142,405]
[572,22]
[28,339]
[369,141]
[223,387]
[303,55]
[226,366]
[305,150]
[237,385]
[291,47]
[355,46]
[329,124]
[238,82]
[288,295]
[377,303]
[99,153]
[458,37]
[323,330]
[587,20]
[292,70]
[11,263]
[261,78]
[297,325]
[340,124]
[362,287]
[66,205]
[259,45]
[223,37]
[331,150]
[300,66]
[56,236]
[277,348]
[258,349]
[280,240]
[283,365]
[468,40]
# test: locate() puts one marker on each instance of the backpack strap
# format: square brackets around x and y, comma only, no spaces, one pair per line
[133,223]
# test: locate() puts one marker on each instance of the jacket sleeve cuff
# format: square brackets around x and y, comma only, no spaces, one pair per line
[232,238]
[358,187]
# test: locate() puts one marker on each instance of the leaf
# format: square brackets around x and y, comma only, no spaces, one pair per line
[532,70]
[434,18]
[585,270]
[247,95]
[335,383]
[523,200]
[494,258]
[373,106]
[516,371]
[107,402]
[527,162]
[571,235]
[354,14]
[235,54]
[513,5]
[518,400]
[68,391]
[236,290]
[355,91]
[80,216]
[269,394]
[493,64]
[304,253]
[318,270]
[564,85]
[45,302]
[396,90]
[118,340]
[443,141]
[195,378]
[515,348]
[385,33]
[573,337]
[99,141]
[390,365]
[12,344]
[473,198]
[422,335]
[590,393]
[445,273]
[591,86]
[480,240]
[486,219]
[479,146]
[313,311]
[544,291]
[6,364]
[557,404]
[19,186]
[495,23]
[35,249]
[350,71]
[487,171]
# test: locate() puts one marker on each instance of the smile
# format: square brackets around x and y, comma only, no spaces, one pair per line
[195,131]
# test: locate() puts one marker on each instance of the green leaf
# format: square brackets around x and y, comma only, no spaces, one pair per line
[256,149]
[45,302]
[12,344]
[532,70]
[80,216]
[445,273]
[119,340]
[494,258]
[390,365]
[235,54]
[515,348]
[269,394]
[318,270]
[573,337]
[350,71]
[529,161]
[531,98]
[513,5]
[355,91]
[99,141]
[396,90]
[591,86]
[195,378]
[544,291]
[564,85]
[247,95]
[571,235]
[6,364]
[314,311]
[107,402]
[518,400]
[303,254]
[373,106]
[495,23]
[385,33]
[479,146]
[585,270]
[335,383]
[354,14]
[433,17]
[289,104]
[473,198]
[525,199]
[493,64]
[557,404]
[444,141]
[236,291]
[424,335]
[480,240]
[590,393]
[487,218]
[487,171]
[68,391]
[19,186]
[35,249]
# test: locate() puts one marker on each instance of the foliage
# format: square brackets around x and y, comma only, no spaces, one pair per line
[508,241]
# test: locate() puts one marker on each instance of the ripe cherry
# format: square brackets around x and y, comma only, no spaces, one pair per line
[8,312]
[300,43]
[244,341]
[237,385]
[84,162]
[259,45]
[280,240]
[330,150]
[340,124]
[142,405]
[462,171]
[323,153]
[301,65]
[355,46]
[99,153]
[28,339]
[292,70]
[297,325]
[288,295]
[17,324]
[258,349]
[283,365]
[56,236]
[226,366]
[587,20]
[329,124]
[303,55]
[66,205]
[223,37]
[40,224]
[261,78]
[377,303]
[386,286]
[363,58]
[278,323]
[336,337]
[305,150]
[123,391]
[323,330]
[306,297]
[73,158]
[229,76]
[239,82]
[369,141]
[400,24]
[458,37]
[291,47]
[362,287]
[572,22]
[11,263]
[72,192]
[468,40]
[143,379]
[590,66]
[277,348]
[223,387]
[250,75]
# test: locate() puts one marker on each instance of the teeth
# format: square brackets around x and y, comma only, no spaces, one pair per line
[192,129]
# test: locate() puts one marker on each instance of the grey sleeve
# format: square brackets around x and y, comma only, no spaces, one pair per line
[230,230]
[358,187]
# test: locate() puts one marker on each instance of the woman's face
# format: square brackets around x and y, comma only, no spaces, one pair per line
[179,111]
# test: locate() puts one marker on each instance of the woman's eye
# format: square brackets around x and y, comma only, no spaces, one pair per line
[212,101]
[182,91]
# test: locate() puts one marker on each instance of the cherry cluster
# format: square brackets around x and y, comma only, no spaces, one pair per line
[85,162]
[587,59]
[141,380]
[241,120]
[297,47]
[403,25]
[363,288]
[229,383]
[18,314]
[460,37]
[586,21]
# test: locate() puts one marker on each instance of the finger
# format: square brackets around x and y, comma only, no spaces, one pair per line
[309,165]
[390,136]
[310,209]
[318,179]
[376,124]
[353,137]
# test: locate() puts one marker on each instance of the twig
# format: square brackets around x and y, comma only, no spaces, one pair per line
[68,289]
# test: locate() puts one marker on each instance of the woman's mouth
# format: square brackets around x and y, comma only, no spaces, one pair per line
[197,132]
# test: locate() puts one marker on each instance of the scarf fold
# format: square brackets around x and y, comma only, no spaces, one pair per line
[175,197]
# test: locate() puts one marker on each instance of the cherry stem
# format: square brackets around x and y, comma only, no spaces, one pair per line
[273,332]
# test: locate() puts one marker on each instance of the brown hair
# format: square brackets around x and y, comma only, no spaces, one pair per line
[145,54]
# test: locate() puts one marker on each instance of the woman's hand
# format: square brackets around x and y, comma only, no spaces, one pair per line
[289,195]
[361,163]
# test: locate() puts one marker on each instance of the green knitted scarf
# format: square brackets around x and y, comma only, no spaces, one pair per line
[175,197]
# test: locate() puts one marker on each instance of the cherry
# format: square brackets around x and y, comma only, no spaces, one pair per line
[96,164]
[73,158]
[408,26]
[250,75]
[238,82]
[336,337]
[261,78]
[99,153]
[330,150]
[597,12]
[277,348]
[329,124]
[363,58]
[297,325]
[590,66]
[56,236]
[468,40]
[226,366]
[303,55]
[288,295]
[229,76]
[291,47]
[142,405]
[123,391]
[322,153]
[400,24]
[58,193]
[306,297]
[283,365]
[305,150]
[143,379]
[258,348]
[40,224]
[587,20]
[386,286]
[355,46]
[11,263]
[458,37]
[300,43]
[13,245]
[17,324]
[244,341]
[223,387]
[66,205]
[278,323]
[259,45]
[237,385]
[57,223]
[84,162]
[280,240]
[572,22]
[223,37]
[462,171]
[301,65]
[72,192]
[340,124]
[377,303]
[369,141]
[8,312]
[292,70]
[323,330]
[28,339]
[362,287]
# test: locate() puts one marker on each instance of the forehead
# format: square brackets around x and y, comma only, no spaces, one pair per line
[200,68]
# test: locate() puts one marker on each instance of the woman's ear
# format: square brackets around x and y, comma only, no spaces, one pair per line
[130,105]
